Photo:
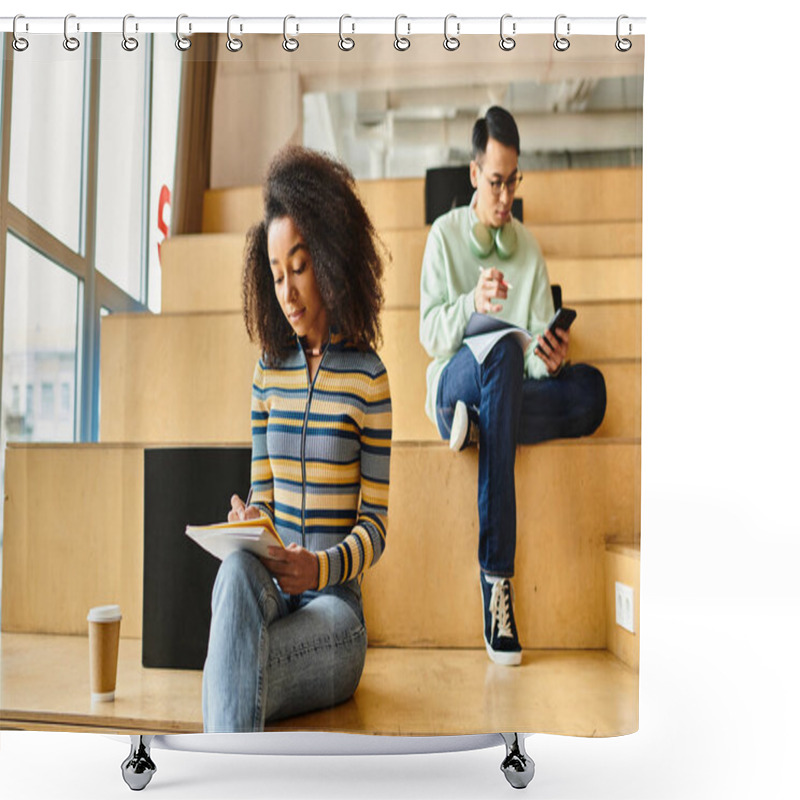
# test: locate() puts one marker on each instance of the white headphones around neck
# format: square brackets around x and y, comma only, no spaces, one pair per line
[483,240]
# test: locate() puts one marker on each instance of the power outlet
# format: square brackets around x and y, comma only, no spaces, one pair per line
[624,602]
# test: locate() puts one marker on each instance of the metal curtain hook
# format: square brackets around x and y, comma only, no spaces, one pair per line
[181,42]
[128,42]
[233,44]
[400,42]
[289,44]
[560,43]
[345,42]
[507,42]
[451,43]
[623,45]
[19,43]
[71,43]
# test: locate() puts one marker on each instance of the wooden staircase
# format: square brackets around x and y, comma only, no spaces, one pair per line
[74,517]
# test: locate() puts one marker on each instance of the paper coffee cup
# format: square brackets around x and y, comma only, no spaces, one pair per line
[104,622]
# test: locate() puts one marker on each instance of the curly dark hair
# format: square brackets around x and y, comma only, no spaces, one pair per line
[319,195]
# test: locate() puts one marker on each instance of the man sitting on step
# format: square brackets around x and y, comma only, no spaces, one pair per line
[479,259]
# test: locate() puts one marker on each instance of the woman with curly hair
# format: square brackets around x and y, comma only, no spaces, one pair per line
[287,632]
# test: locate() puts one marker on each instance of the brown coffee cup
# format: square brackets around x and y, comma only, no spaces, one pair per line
[104,623]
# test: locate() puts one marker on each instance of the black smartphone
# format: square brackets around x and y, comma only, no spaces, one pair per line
[562,319]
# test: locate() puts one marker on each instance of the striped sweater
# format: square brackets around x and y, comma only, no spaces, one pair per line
[321,454]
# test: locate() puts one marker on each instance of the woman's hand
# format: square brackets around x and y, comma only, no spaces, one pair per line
[241,512]
[552,349]
[295,568]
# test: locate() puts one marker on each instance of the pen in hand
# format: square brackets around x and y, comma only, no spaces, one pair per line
[243,510]
[510,286]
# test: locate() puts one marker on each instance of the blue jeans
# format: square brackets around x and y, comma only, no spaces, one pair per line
[273,655]
[511,410]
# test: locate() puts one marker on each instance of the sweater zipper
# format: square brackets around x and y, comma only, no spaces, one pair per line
[303,442]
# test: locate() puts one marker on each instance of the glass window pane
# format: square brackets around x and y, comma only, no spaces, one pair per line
[40,346]
[121,163]
[167,61]
[46,164]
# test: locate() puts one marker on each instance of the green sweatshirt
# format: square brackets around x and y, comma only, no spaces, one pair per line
[450,273]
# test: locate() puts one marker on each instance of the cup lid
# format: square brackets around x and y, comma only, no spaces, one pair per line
[104,614]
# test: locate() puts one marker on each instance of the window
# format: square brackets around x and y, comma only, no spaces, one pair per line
[80,219]
[121,164]
[167,63]
[48,401]
[66,400]
[46,163]
[40,343]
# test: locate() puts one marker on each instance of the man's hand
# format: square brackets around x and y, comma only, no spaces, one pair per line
[295,568]
[552,349]
[491,286]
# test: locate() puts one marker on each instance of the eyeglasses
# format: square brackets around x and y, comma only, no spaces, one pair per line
[510,185]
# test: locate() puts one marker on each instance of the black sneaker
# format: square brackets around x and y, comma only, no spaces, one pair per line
[499,628]
[464,431]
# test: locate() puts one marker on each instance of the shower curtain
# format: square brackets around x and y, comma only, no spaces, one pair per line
[130,177]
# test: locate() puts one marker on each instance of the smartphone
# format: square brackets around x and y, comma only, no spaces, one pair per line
[562,319]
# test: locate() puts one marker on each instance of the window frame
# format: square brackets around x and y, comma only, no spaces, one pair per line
[97,291]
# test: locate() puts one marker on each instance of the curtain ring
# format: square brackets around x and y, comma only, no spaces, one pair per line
[181,42]
[71,43]
[345,42]
[289,44]
[623,45]
[128,42]
[507,42]
[19,43]
[451,43]
[233,44]
[560,43]
[400,42]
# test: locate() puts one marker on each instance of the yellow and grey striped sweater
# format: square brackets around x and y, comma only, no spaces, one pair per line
[321,454]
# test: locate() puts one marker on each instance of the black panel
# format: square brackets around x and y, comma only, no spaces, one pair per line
[446,188]
[183,486]
[450,187]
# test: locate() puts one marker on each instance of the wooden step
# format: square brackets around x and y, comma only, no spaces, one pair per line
[590,239]
[548,197]
[73,538]
[591,486]
[397,203]
[407,692]
[186,377]
[204,273]
[622,564]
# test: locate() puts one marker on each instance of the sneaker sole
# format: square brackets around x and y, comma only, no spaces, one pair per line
[460,428]
[504,659]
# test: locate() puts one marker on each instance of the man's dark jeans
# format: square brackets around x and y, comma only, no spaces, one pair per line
[512,410]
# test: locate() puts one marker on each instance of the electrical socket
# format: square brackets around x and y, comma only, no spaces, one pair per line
[624,603]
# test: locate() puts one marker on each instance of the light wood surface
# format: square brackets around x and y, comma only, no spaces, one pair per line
[85,547]
[622,564]
[582,195]
[590,239]
[403,692]
[571,497]
[187,377]
[175,378]
[73,522]
[204,273]
[553,196]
